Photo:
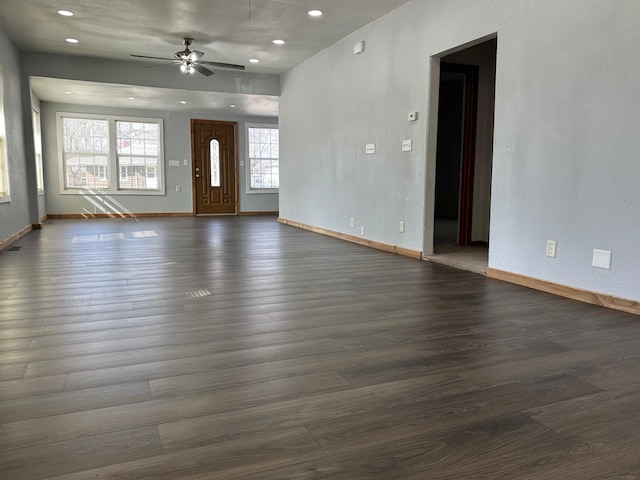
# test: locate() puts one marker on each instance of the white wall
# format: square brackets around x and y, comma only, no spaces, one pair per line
[565,162]
[177,143]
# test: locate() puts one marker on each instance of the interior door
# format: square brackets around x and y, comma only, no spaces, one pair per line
[215,180]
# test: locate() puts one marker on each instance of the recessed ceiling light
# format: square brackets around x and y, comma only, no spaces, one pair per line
[132,98]
[315,13]
[72,40]
[183,102]
[68,92]
[66,13]
[232,106]
[279,42]
[254,60]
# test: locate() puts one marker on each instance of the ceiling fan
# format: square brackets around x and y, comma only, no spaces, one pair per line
[189,60]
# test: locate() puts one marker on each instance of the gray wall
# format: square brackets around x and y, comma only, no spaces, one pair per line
[565,156]
[14,216]
[177,143]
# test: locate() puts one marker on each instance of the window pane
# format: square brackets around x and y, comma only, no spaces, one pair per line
[138,153]
[214,147]
[85,135]
[86,171]
[264,153]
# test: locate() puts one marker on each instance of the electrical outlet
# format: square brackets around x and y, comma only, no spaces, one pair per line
[406,145]
[352,222]
[551,248]
[362,230]
[178,188]
[401,227]
[370,148]
[185,161]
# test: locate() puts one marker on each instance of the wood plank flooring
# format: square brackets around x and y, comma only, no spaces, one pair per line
[240,348]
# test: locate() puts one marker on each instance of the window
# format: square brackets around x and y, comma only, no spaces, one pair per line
[264,154]
[214,148]
[4,159]
[138,151]
[115,155]
[37,147]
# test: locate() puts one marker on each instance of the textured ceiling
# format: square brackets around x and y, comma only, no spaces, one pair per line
[229,31]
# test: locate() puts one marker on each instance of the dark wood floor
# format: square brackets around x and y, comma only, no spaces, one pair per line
[239,348]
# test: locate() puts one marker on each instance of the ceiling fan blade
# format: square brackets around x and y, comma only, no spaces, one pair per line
[199,68]
[232,66]
[160,65]
[154,58]
[195,55]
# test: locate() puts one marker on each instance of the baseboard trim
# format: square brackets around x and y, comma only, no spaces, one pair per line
[406,252]
[72,216]
[594,298]
[247,214]
[15,237]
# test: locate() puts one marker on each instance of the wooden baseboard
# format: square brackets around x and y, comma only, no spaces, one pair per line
[36,226]
[353,239]
[71,216]
[272,214]
[15,237]
[609,301]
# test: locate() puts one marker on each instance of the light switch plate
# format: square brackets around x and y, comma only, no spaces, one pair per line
[602,259]
[551,248]
[174,163]
[370,148]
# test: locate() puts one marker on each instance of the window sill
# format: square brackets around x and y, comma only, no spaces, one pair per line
[113,193]
[255,191]
[5,199]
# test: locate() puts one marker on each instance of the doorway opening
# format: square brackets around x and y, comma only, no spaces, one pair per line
[463,161]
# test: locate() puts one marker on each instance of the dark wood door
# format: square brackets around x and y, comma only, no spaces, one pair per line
[215,180]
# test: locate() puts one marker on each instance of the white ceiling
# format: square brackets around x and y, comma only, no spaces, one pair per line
[230,31]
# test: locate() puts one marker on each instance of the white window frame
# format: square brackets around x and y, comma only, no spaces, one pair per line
[5,197]
[113,167]
[37,147]
[249,190]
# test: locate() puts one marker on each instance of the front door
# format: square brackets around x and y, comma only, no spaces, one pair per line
[214,153]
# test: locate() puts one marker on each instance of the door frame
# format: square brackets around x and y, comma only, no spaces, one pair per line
[235,163]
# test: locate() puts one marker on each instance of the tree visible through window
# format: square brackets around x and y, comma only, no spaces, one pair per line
[105,153]
[85,151]
[137,154]
[264,157]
